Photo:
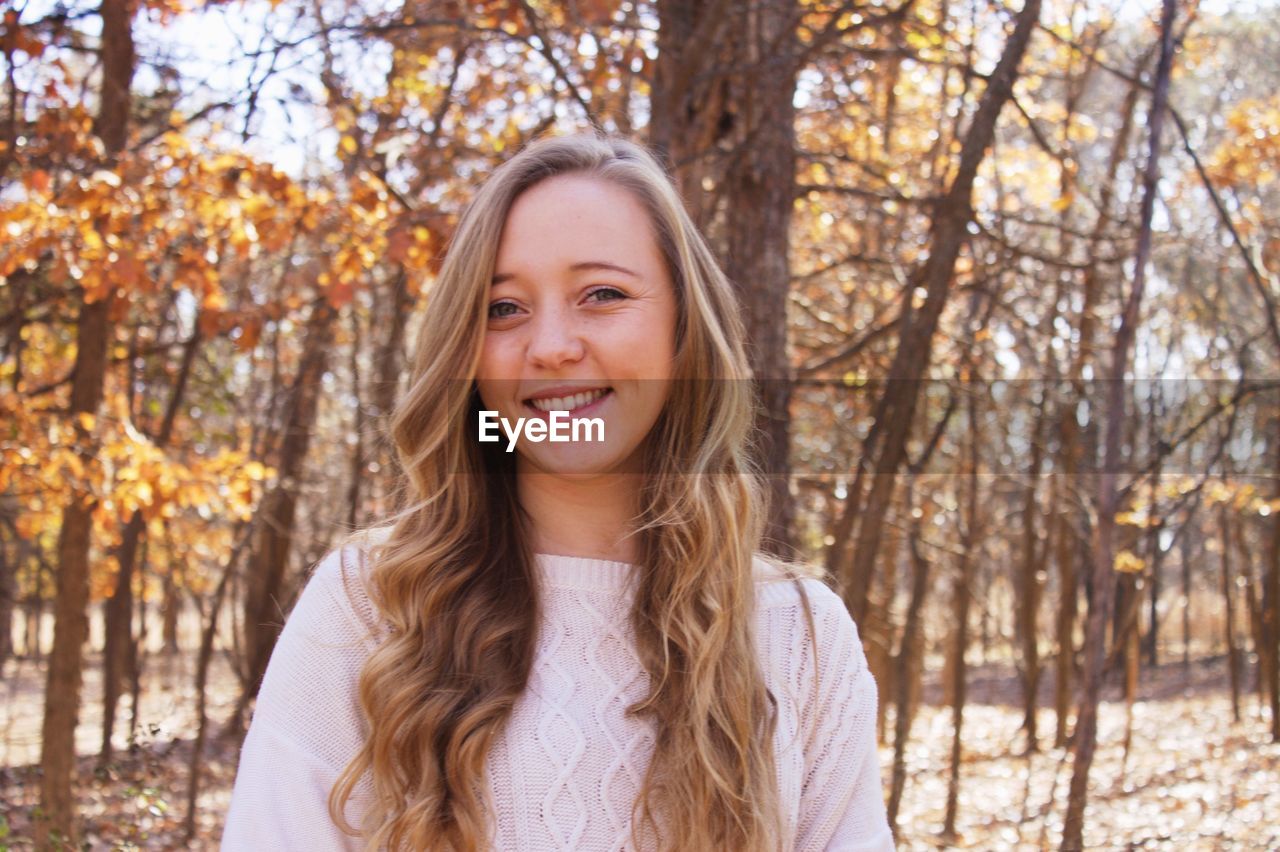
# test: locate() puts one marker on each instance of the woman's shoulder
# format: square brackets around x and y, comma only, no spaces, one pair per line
[341,581]
[797,609]
[787,583]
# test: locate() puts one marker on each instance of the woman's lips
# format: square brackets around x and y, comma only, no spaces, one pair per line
[572,412]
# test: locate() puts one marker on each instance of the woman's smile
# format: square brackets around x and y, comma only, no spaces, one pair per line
[576,402]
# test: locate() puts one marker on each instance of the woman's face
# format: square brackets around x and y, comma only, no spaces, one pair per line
[581,319]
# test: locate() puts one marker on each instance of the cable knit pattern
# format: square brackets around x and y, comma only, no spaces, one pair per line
[565,771]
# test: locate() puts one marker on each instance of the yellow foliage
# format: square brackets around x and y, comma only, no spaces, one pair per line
[1128,562]
[1250,156]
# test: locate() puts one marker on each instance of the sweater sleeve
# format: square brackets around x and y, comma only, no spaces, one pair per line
[842,802]
[307,724]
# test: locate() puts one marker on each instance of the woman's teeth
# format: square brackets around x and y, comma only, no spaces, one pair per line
[568,403]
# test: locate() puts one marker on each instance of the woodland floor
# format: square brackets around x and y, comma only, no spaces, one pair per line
[1193,779]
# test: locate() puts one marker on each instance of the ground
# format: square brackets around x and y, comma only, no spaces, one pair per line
[1193,779]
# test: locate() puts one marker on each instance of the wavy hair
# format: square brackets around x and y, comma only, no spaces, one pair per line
[453,576]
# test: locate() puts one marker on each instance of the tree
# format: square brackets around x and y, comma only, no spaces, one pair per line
[1103,554]
[93,332]
[885,447]
[725,120]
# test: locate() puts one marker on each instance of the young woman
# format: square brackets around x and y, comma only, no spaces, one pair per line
[568,645]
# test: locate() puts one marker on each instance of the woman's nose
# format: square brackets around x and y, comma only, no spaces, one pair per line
[555,341]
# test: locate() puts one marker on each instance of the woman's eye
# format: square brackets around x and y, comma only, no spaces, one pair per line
[498,310]
[608,294]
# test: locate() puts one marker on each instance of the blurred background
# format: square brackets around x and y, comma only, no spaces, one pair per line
[1010,272]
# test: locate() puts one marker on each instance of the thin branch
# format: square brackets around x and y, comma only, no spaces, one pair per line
[548,52]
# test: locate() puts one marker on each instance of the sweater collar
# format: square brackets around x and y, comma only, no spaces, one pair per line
[579,572]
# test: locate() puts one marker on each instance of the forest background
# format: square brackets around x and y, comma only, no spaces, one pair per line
[1010,273]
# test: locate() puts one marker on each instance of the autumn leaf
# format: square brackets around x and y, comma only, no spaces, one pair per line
[340,293]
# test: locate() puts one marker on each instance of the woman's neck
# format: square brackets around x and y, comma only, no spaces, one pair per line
[589,516]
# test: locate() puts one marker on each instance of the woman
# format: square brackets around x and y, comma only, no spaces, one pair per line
[568,645]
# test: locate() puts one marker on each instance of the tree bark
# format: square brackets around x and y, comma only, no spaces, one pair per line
[877,635]
[1068,604]
[8,596]
[1075,445]
[1030,584]
[390,357]
[1269,659]
[1228,603]
[730,138]
[1254,607]
[119,607]
[909,665]
[358,460]
[1108,492]
[203,661]
[1185,553]
[171,609]
[93,335]
[273,537]
[963,598]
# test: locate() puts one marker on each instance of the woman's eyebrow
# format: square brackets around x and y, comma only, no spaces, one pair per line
[577,267]
[600,264]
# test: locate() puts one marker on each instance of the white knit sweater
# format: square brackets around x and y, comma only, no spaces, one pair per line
[565,770]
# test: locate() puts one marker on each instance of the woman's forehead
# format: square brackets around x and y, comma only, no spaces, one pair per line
[572,222]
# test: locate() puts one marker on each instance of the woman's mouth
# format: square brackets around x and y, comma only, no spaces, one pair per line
[574,403]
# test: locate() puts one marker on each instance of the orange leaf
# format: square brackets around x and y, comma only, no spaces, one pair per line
[340,294]
[38,180]
[250,333]
[127,269]
[398,243]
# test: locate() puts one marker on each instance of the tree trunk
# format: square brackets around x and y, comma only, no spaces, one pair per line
[1064,669]
[8,598]
[204,659]
[358,460]
[1228,603]
[1131,660]
[963,598]
[1269,660]
[93,335]
[1030,584]
[32,614]
[133,659]
[1157,582]
[702,117]
[1075,443]
[389,359]
[909,665]
[1185,553]
[1108,492]
[118,633]
[1254,606]
[877,636]
[273,537]
[895,410]
[171,609]
[118,648]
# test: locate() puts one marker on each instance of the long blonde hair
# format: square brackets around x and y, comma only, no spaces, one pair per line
[453,574]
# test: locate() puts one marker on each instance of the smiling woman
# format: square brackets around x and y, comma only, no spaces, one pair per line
[575,645]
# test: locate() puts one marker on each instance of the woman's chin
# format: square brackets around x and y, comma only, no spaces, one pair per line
[574,462]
